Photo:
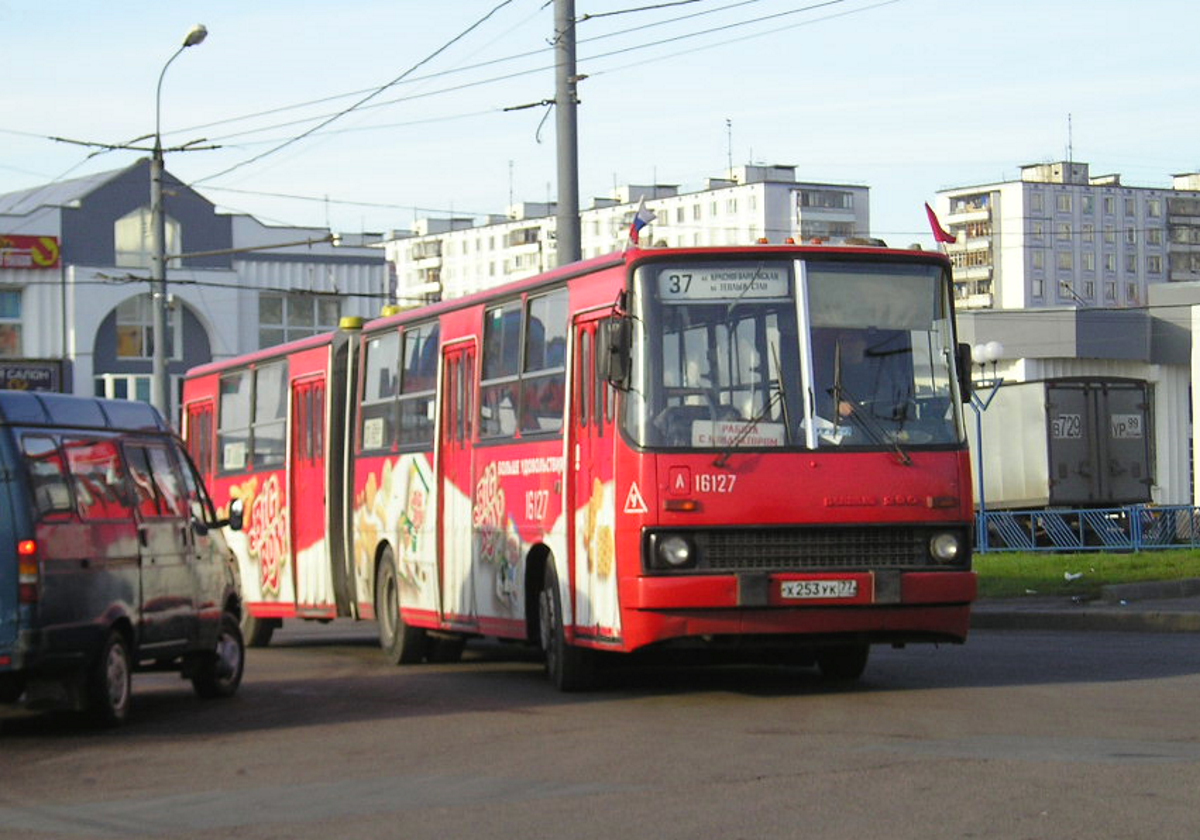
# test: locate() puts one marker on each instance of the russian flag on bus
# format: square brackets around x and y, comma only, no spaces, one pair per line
[641,218]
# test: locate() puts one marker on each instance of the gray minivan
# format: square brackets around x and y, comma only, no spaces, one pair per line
[111,558]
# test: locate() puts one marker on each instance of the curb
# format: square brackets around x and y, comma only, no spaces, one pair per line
[1115,619]
[1171,606]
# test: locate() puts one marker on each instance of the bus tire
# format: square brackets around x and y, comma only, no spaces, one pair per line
[219,673]
[109,682]
[257,631]
[843,663]
[403,645]
[446,649]
[569,668]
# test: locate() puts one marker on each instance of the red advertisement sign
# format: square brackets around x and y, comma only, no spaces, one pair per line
[18,251]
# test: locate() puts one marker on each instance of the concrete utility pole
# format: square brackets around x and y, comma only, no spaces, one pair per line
[160,380]
[565,100]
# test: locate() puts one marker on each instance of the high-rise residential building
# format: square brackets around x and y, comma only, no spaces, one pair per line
[446,258]
[1060,236]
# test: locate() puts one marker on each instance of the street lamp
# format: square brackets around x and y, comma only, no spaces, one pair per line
[981,354]
[160,387]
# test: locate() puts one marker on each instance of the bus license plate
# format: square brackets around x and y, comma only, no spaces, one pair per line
[812,589]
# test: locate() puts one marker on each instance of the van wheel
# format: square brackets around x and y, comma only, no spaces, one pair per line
[257,631]
[843,663]
[569,668]
[220,673]
[403,645]
[109,684]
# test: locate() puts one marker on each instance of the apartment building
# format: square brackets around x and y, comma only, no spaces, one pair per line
[451,257]
[1060,236]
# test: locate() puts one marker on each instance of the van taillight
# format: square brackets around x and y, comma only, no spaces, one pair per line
[27,571]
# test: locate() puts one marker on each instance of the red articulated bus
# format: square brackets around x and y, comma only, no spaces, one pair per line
[753,446]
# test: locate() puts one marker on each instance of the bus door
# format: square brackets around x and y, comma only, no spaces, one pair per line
[591,487]
[308,503]
[455,491]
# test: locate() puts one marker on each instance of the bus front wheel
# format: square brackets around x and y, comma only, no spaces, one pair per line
[843,663]
[569,668]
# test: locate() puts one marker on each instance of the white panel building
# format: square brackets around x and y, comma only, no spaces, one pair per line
[445,258]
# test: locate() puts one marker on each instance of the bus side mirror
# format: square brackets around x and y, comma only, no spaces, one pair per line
[964,371]
[613,348]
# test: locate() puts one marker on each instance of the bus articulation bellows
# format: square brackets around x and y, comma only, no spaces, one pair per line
[752,445]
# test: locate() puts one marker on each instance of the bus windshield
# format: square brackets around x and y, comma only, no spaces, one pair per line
[803,354]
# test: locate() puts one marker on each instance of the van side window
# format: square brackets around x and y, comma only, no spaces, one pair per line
[156,483]
[98,478]
[47,475]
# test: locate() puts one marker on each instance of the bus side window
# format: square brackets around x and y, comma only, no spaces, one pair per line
[499,393]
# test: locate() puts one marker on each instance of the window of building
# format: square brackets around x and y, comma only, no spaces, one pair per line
[1063,202]
[1154,236]
[1038,288]
[1037,228]
[1089,289]
[135,329]
[286,316]
[1064,230]
[696,212]
[1089,232]
[1110,292]
[131,239]
[1154,264]
[1089,261]
[1110,235]
[1154,207]
[124,386]
[829,199]
[1130,207]
[1066,260]
[1110,263]
[1131,262]
[1110,205]
[1131,292]
[10,322]
[1037,202]
[1039,258]
[1130,236]
[1088,203]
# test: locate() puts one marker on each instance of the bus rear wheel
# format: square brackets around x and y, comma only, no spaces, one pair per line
[258,631]
[569,668]
[403,645]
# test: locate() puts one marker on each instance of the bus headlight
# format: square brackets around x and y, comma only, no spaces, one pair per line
[945,547]
[675,552]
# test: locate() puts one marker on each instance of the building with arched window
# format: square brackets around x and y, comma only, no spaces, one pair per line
[76,311]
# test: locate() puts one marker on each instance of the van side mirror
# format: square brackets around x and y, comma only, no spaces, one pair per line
[964,372]
[237,516]
[614,342]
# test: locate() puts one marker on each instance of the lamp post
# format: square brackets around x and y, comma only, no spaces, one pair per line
[160,383]
[981,354]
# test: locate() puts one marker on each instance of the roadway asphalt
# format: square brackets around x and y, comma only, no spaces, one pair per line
[1158,607]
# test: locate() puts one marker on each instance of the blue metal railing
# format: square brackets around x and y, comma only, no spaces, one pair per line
[1130,528]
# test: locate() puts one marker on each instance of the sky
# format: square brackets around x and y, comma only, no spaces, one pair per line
[907,97]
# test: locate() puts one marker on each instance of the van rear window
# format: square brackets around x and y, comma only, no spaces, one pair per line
[47,475]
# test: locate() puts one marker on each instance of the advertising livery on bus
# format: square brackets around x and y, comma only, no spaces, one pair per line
[752,446]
